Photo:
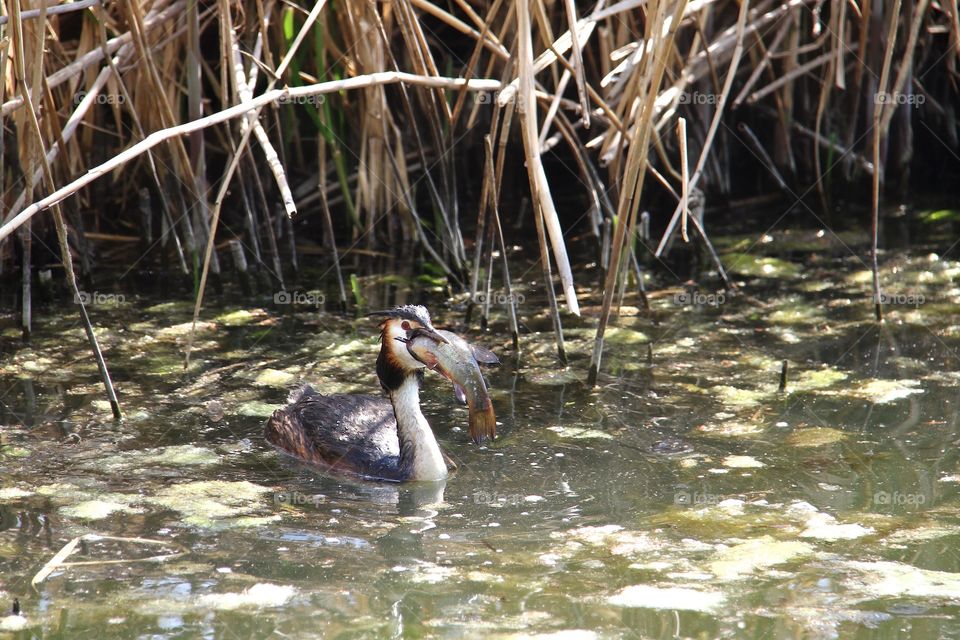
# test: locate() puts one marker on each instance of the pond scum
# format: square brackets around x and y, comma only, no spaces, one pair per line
[233,133]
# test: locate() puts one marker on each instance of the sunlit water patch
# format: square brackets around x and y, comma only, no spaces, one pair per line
[686,495]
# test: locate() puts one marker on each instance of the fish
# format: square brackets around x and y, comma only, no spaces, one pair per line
[481,354]
[457,360]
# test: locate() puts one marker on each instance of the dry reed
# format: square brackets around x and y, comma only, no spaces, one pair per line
[375,92]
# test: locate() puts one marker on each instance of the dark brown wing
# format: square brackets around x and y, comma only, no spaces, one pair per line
[354,434]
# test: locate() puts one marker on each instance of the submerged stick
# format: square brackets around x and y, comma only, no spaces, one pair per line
[57,561]
[548,283]
[26,301]
[244,89]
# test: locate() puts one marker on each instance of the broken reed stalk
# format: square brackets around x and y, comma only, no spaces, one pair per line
[328,221]
[684,177]
[715,121]
[539,187]
[498,230]
[486,188]
[579,71]
[61,227]
[55,10]
[214,221]
[878,137]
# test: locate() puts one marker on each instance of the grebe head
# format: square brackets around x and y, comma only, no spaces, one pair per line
[395,362]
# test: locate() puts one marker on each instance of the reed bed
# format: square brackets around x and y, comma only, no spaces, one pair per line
[216,133]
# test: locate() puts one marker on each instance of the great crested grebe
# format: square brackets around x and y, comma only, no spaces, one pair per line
[369,436]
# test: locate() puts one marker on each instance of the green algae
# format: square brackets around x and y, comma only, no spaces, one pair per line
[740,398]
[257,596]
[180,331]
[816,437]
[580,433]
[176,455]
[276,377]
[97,509]
[794,312]
[671,598]
[887,391]
[745,264]
[209,503]
[256,409]
[742,462]
[620,336]
[742,559]
[12,451]
[14,493]
[242,317]
[174,308]
[813,380]
[883,579]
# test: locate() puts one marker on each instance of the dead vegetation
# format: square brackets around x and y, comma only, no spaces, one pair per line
[141,118]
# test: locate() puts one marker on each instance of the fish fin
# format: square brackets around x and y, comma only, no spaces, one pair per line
[483,424]
[483,355]
[459,393]
[451,465]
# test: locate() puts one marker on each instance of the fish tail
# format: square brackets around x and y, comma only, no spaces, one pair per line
[483,423]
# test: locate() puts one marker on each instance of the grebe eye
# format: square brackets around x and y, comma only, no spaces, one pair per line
[405,325]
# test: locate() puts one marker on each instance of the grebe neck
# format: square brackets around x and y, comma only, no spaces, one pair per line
[420,455]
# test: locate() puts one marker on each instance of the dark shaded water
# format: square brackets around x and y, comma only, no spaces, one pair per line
[684,497]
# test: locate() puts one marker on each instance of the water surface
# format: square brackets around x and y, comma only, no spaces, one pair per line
[684,497]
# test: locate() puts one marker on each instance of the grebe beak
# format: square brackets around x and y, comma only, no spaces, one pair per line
[425,332]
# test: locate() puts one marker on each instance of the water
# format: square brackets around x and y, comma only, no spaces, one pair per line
[684,497]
